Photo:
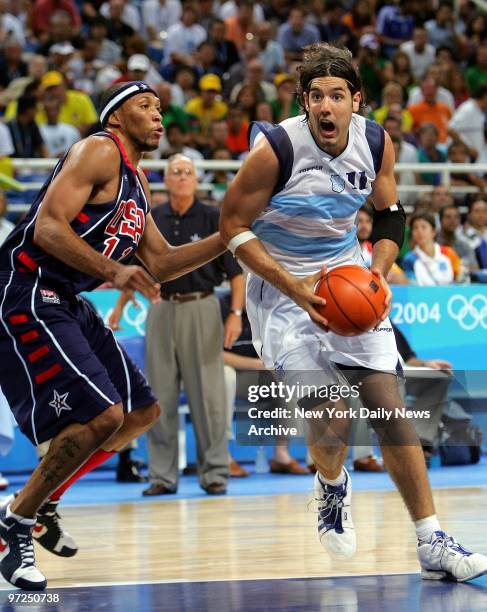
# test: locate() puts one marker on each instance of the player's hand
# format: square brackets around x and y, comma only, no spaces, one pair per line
[387,289]
[135,278]
[117,312]
[231,330]
[438,364]
[303,293]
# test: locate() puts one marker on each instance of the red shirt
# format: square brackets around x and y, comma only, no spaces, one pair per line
[43,10]
[238,143]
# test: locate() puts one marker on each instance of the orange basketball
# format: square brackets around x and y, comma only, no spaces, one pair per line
[355,300]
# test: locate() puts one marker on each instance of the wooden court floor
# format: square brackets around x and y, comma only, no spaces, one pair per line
[248,537]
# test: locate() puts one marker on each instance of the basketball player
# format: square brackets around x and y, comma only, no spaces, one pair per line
[63,374]
[291,209]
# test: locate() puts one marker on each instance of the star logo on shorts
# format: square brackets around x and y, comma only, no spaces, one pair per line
[195,238]
[59,402]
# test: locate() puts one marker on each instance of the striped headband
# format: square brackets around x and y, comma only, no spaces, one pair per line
[120,96]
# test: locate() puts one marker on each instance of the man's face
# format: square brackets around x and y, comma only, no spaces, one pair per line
[180,178]
[458,155]
[52,108]
[235,118]
[440,197]
[296,21]
[478,214]
[450,220]
[219,131]
[140,118]
[364,226]
[330,106]
[209,96]
[429,90]
[420,38]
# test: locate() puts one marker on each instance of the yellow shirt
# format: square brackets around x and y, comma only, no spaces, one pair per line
[381,113]
[77,110]
[216,111]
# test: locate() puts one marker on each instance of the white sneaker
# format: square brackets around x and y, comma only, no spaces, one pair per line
[443,558]
[335,525]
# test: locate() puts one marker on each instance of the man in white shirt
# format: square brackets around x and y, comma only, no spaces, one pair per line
[58,137]
[130,13]
[6,145]
[468,124]
[419,51]
[159,16]
[184,37]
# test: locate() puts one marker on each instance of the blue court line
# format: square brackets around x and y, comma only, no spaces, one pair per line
[101,487]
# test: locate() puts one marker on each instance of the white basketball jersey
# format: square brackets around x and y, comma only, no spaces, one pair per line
[310,219]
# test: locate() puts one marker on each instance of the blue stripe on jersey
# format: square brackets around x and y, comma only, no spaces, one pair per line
[314,247]
[374,134]
[318,206]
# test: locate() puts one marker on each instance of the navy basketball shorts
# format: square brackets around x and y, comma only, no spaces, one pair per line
[59,364]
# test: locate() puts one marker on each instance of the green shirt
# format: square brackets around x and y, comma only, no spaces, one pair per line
[475,77]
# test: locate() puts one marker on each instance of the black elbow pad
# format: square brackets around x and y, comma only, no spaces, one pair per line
[389,224]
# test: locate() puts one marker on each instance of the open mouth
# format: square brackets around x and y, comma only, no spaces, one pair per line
[327,128]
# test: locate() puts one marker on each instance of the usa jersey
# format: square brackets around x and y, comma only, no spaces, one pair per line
[310,218]
[112,228]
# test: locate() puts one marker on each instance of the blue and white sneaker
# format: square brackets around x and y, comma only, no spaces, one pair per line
[335,525]
[17,559]
[443,558]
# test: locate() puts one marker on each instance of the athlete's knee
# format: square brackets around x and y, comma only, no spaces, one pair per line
[108,422]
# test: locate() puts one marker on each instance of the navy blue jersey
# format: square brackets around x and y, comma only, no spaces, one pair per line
[111,228]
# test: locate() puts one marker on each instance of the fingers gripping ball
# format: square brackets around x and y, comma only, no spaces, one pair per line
[355,300]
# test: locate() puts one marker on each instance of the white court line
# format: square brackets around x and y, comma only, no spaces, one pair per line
[186,581]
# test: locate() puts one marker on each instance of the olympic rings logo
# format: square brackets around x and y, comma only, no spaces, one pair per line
[469,313]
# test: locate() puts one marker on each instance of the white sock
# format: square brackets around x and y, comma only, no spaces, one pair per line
[20,519]
[336,482]
[426,526]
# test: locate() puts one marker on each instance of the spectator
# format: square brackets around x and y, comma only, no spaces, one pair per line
[371,66]
[264,112]
[476,75]
[159,15]
[60,30]
[11,64]
[230,9]
[220,179]
[255,78]
[43,10]
[392,94]
[399,70]
[6,226]
[76,107]
[448,235]
[429,152]
[237,130]
[217,138]
[24,131]
[207,106]
[420,52]
[60,57]
[117,28]
[204,60]
[458,153]
[236,75]
[171,113]
[207,13]
[84,68]
[226,51]
[361,18]
[9,24]
[429,263]
[177,143]
[430,111]
[395,25]
[185,82]
[248,98]
[286,104]
[439,197]
[238,27]
[37,66]
[333,30]
[475,228]
[442,94]
[129,14]
[441,30]
[58,137]
[406,153]
[455,82]
[296,34]
[139,68]
[109,51]
[475,33]
[184,37]
[271,54]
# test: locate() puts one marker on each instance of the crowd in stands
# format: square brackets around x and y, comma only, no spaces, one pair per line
[218,65]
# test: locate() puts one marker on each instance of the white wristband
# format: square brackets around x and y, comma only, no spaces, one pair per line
[240,239]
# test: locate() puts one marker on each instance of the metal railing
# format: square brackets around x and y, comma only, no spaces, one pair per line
[444,169]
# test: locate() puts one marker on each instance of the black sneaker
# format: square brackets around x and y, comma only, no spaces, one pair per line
[17,559]
[49,533]
[129,472]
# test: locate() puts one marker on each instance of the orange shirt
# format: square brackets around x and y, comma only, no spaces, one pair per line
[437,113]
[234,32]
[238,143]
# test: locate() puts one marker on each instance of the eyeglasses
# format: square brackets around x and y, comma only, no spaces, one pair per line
[178,171]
